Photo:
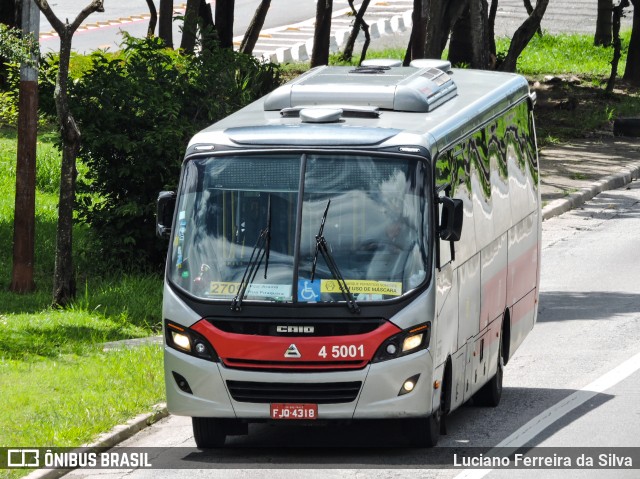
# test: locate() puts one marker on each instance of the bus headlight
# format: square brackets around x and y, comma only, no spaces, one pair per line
[181,341]
[189,342]
[412,342]
[407,342]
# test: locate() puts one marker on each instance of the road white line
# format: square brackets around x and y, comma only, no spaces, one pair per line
[546,418]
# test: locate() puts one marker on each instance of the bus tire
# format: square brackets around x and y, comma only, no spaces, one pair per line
[424,432]
[490,394]
[208,432]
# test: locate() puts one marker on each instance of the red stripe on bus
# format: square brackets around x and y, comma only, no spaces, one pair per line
[509,285]
[345,352]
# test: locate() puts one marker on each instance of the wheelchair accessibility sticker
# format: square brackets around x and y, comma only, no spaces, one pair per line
[307,291]
[310,292]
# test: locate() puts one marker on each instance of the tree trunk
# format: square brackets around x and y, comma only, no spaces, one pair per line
[25,205]
[11,13]
[604,23]
[358,24]
[367,42]
[529,8]
[153,20]
[190,26]
[322,33]
[253,32]
[207,27]
[618,13]
[224,22]
[479,11]
[523,35]
[441,17]
[416,46]
[632,70]
[470,37]
[493,10]
[435,31]
[460,45]
[165,26]
[64,286]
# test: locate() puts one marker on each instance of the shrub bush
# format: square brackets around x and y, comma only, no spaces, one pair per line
[136,113]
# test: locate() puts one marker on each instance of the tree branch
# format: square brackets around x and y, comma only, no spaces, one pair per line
[64,28]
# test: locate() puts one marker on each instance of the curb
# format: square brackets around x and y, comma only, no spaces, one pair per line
[611,182]
[110,439]
[301,51]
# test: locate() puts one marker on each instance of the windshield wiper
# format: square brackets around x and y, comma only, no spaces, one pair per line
[323,247]
[260,251]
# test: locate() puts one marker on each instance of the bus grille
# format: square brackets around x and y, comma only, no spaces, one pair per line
[293,367]
[314,393]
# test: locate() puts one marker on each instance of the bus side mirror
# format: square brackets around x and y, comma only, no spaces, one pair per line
[164,217]
[451,220]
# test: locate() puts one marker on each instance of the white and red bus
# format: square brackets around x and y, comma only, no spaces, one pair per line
[362,243]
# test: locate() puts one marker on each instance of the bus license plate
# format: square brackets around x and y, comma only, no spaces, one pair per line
[294,411]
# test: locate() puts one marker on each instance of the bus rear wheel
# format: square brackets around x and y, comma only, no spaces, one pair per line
[208,432]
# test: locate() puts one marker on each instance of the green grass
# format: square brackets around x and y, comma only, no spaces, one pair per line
[566,54]
[51,333]
[57,386]
[550,54]
[69,400]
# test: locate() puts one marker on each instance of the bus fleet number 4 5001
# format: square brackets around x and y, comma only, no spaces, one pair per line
[342,351]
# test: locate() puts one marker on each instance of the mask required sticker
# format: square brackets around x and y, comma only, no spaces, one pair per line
[357,286]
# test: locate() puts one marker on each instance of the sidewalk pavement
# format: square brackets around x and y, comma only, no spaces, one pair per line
[575,172]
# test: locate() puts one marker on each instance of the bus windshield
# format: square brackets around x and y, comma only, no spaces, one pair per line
[248,227]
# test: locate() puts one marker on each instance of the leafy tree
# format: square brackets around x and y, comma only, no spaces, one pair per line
[9,18]
[64,287]
[138,110]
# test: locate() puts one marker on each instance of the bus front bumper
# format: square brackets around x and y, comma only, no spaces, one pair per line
[379,396]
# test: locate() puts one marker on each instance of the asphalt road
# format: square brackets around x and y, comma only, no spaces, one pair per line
[564,386]
[577,16]
[106,26]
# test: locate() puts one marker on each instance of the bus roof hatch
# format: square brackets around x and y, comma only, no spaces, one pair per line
[388,88]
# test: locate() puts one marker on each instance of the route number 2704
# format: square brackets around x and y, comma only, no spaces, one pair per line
[343,351]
